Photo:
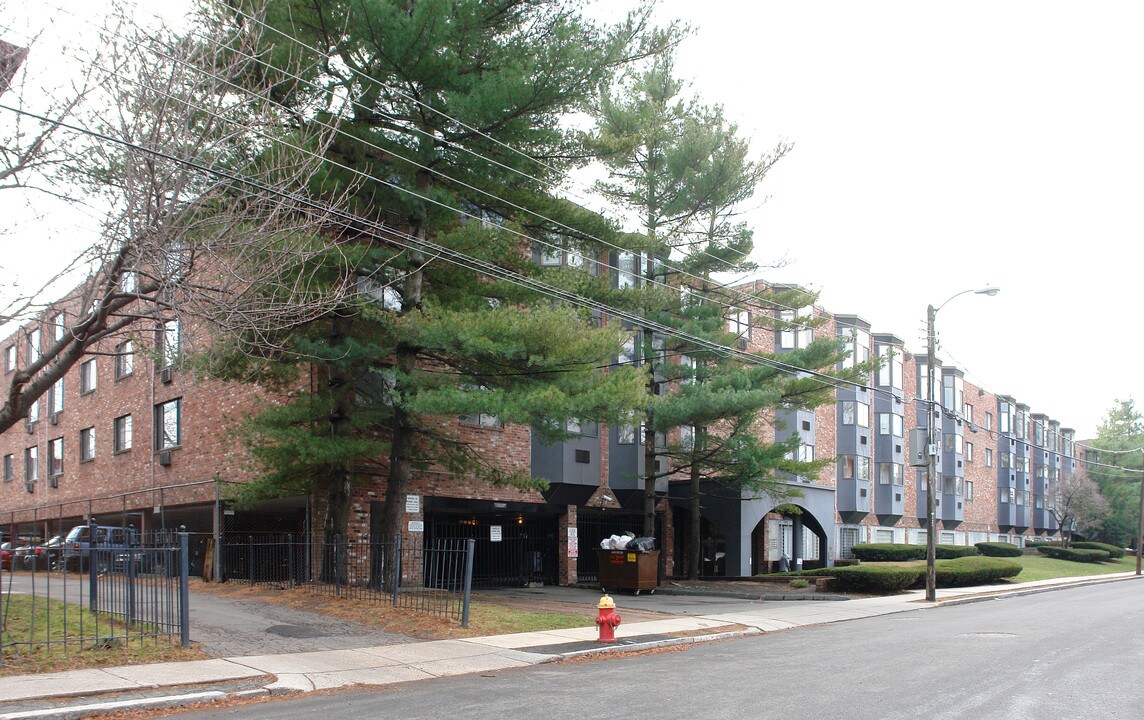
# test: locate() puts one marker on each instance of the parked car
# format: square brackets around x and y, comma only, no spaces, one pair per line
[111,545]
[6,553]
[48,556]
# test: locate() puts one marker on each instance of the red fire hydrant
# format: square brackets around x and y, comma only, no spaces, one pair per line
[608,619]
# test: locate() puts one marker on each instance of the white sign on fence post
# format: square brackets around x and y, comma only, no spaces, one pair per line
[573,543]
[495,533]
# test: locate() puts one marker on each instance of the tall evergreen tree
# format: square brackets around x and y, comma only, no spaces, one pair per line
[439,98]
[681,172]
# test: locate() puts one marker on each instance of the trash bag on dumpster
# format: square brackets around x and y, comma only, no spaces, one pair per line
[641,544]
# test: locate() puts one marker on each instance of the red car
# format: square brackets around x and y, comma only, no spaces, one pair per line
[6,553]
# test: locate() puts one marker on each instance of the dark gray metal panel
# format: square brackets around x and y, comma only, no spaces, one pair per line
[625,463]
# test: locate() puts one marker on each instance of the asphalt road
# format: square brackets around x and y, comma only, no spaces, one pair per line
[1073,653]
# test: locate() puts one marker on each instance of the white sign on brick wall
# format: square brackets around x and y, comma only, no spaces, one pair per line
[413,504]
[416,526]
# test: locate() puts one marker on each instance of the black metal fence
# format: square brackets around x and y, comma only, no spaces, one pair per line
[85,594]
[436,577]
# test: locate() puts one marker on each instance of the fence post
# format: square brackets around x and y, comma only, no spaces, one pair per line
[470,546]
[338,565]
[92,575]
[395,585]
[250,558]
[184,588]
[290,559]
[131,556]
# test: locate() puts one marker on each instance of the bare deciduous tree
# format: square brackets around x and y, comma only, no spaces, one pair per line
[207,217]
[1077,505]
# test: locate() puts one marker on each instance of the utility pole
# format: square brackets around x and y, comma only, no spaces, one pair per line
[931,456]
[1140,525]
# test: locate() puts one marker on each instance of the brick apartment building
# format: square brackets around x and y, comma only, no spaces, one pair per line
[130,437]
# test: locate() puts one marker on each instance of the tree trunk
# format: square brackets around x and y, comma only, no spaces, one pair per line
[339,489]
[696,523]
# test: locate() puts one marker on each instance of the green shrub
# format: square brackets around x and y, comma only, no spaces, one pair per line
[1113,551]
[873,579]
[964,571]
[1076,555]
[888,552]
[843,562]
[949,552]
[998,549]
[800,583]
[1043,543]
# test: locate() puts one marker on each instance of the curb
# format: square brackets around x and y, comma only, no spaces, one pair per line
[78,711]
[970,599]
[651,644]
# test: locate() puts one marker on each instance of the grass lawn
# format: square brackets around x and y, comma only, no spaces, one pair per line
[34,634]
[1039,567]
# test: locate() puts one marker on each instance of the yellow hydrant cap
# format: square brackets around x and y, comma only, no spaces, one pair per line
[606,602]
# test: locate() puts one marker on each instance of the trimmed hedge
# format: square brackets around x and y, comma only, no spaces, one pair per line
[1114,552]
[873,579]
[964,571]
[888,552]
[949,552]
[998,549]
[1076,555]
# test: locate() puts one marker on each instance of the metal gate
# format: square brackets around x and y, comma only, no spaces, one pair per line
[512,550]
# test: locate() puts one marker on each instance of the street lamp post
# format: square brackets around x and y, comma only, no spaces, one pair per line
[931,442]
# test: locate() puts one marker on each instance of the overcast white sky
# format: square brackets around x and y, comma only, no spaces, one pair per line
[943,147]
[938,148]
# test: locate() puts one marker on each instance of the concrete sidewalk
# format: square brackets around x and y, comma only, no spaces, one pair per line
[78,693]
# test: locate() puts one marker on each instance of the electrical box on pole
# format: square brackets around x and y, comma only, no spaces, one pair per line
[919,447]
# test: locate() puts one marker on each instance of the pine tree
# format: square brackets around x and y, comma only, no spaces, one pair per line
[438,98]
[682,172]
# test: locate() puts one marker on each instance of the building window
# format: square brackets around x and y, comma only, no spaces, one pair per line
[855,466]
[687,437]
[87,444]
[891,474]
[9,467]
[792,336]
[56,397]
[968,452]
[87,376]
[59,327]
[953,393]
[56,457]
[168,423]
[988,421]
[587,428]
[630,270]
[122,429]
[739,323]
[171,342]
[890,368]
[33,353]
[855,413]
[10,358]
[31,464]
[124,359]
[968,412]
[34,412]
[988,457]
[626,435]
[968,490]
[857,342]
[891,424]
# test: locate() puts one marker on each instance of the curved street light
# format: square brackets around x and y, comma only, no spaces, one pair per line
[931,439]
